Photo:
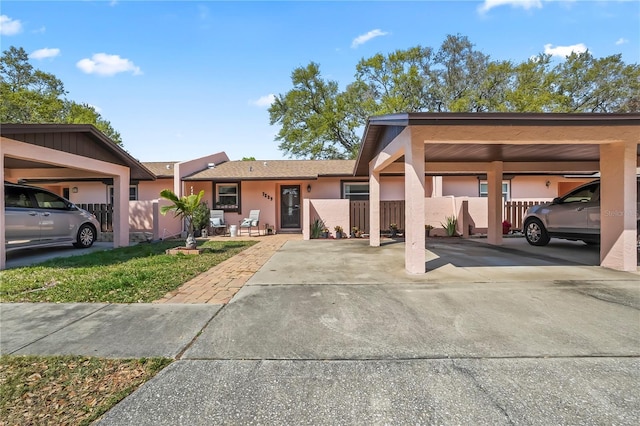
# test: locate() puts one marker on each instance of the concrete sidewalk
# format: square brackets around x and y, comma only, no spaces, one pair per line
[336,332]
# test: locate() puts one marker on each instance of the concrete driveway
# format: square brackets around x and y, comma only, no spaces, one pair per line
[335,332]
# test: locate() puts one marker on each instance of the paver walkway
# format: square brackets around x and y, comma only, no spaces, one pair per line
[220,283]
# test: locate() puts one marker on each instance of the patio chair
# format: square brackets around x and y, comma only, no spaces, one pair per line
[216,222]
[253,221]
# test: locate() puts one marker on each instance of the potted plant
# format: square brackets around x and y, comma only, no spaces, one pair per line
[338,230]
[355,231]
[201,218]
[427,230]
[394,229]
[506,227]
[325,233]
[183,207]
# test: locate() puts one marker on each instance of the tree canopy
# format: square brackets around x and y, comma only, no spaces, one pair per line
[319,121]
[29,95]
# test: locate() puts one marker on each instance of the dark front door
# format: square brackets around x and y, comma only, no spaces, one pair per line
[290,206]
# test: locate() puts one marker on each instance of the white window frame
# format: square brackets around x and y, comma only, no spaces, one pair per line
[227,206]
[506,189]
[133,193]
[347,195]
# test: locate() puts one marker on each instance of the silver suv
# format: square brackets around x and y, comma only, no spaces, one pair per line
[35,217]
[574,216]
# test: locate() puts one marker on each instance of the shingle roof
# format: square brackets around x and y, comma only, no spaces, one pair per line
[160,168]
[276,169]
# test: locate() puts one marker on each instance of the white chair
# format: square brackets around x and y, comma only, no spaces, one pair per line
[216,222]
[253,221]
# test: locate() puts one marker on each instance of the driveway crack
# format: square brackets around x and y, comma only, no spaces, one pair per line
[469,373]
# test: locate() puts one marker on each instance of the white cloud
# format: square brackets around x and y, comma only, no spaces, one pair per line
[621,41]
[564,51]
[9,26]
[44,53]
[362,39]
[525,4]
[264,101]
[103,64]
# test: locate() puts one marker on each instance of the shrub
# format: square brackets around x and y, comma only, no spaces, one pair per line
[317,227]
[450,225]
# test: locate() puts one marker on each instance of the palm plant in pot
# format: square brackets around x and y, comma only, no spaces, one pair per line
[184,207]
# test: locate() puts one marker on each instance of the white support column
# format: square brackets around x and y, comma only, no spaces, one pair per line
[121,209]
[3,251]
[374,209]
[618,198]
[436,182]
[414,189]
[495,203]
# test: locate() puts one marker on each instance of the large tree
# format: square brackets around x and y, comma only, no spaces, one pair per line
[319,121]
[29,95]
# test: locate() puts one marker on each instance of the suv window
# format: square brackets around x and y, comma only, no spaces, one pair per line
[586,194]
[50,201]
[16,197]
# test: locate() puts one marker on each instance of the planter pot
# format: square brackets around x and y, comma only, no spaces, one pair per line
[338,235]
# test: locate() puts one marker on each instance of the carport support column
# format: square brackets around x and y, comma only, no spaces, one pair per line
[495,207]
[618,198]
[374,209]
[121,210]
[3,251]
[414,246]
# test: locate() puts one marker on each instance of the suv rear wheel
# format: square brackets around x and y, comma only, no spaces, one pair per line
[535,233]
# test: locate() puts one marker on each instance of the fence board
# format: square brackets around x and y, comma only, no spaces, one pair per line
[102,212]
[514,211]
[393,212]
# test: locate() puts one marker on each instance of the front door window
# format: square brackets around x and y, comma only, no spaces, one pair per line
[290,206]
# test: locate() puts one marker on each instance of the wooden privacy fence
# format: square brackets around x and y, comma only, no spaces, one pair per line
[102,212]
[393,212]
[390,212]
[514,210]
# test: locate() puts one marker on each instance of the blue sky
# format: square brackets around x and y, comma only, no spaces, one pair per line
[184,79]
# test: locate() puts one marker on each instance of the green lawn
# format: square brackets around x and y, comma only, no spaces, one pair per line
[77,390]
[135,274]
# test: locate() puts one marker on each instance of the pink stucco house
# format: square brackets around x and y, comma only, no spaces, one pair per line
[291,193]
[464,165]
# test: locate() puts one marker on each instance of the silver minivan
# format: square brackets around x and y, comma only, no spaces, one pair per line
[573,216]
[35,217]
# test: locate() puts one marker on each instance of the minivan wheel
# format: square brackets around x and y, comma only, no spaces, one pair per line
[86,236]
[535,233]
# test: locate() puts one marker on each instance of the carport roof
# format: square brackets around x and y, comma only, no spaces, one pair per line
[508,137]
[79,139]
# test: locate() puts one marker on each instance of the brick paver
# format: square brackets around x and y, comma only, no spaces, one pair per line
[220,283]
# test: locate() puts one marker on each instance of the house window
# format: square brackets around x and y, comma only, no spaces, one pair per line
[133,193]
[506,189]
[227,196]
[355,190]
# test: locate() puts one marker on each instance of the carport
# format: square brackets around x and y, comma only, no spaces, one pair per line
[63,152]
[433,144]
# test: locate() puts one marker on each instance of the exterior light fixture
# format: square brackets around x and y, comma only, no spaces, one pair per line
[74,189]
[309,188]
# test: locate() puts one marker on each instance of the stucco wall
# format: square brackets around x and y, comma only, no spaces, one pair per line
[331,212]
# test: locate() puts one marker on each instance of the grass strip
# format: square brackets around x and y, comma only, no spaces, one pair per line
[68,390]
[134,274]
